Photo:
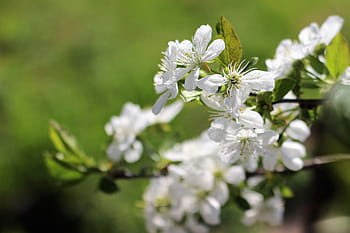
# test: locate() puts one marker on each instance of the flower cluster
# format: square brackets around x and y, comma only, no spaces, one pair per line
[312,42]
[183,58]
[260,121]
[194,190]
[132,121]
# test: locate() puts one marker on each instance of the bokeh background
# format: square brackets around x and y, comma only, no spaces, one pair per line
[79,61]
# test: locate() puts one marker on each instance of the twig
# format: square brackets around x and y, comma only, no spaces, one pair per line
[308,164]
[121,174]
[302,102]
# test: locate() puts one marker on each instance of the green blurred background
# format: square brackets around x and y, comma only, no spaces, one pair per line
[78,62]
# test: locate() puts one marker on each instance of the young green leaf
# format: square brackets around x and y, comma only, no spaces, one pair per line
[65,143]
[107,185]
[282,87]
[63,174]
[337,56]
[242,203]
[233,48]
[286,192]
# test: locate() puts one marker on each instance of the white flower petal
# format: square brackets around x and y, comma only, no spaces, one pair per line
[211,83]
[291,153]
[157,107]
[168,113]
[292,163]
[114,152]
[191,80]
[270,160]
[298,130]
[294,149]
[200,178]
[210,211]
[268,137]
[234,175]
[220,192]
[134,153]
[330,28]
[213,101]
[202,38]
[258,80]
[251,163]
[251,119]
[194,226]
[214,50]
[310,34]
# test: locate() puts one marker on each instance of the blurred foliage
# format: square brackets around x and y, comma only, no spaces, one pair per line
[78,62]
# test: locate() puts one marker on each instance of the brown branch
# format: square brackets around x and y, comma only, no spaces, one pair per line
[121,174]
[302,102]
[308,164]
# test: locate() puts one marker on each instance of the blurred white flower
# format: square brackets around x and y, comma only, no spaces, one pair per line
[264,210]
[344,78]
[132,121]
[191,149]
[314,35]
[310,37]
[298,130]
[287,53]
[291,152]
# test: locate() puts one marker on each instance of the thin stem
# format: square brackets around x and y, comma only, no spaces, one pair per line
[121,174]
[308,164]
[302,102]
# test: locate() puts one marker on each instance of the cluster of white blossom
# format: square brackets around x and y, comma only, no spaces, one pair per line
[200,171]
[190,197]
[183,58]
[311,38]
[132,121]
[240,131]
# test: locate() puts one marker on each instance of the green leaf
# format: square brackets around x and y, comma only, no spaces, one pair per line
[242,203]
[316,64]
[66,143]
[63,174]
[233,48]
[107,185]
[282,87]
[286,192]
[337,56]
[264,104]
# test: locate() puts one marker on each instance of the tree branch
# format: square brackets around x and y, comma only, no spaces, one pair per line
[303,102]
[121,174]
[308,164]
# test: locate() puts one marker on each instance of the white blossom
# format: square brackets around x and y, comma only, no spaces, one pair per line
[242,140]
[202,188]
[314,35]
[240,83]
[131,122]
[298,130]
[268,210]
[193,54]
[287,53]
[165,82]
[191,149]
